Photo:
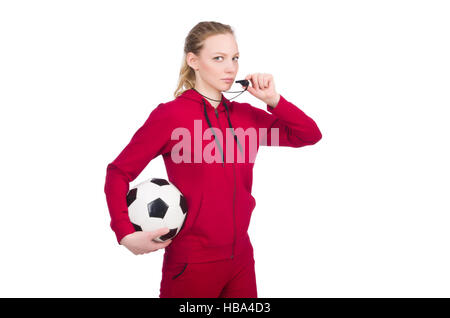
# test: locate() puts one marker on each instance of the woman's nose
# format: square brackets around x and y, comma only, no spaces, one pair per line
[230,68]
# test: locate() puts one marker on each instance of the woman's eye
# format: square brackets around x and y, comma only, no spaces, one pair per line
[236,57]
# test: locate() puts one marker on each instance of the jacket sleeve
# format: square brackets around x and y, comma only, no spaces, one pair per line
[149,141]
[285,125]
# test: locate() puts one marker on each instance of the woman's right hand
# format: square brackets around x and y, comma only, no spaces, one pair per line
[141,242]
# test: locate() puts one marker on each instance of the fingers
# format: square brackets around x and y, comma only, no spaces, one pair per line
[151,247]
[163,245]
[266,81]
[259,80]
[159,232]
[150,244]
[253,79]
[160,244]
[155,234]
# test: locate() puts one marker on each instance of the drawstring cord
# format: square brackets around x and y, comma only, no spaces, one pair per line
[215,136]
[232,129]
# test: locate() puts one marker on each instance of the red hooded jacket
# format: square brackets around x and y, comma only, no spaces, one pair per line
[218,193]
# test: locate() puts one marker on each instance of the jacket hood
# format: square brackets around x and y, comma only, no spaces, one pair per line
[196,97]
[224,106]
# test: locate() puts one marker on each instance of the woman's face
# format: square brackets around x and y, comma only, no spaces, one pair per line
[218,60]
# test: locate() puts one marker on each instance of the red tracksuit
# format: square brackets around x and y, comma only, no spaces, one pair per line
[212,255]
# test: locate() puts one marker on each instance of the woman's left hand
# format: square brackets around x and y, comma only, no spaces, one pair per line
[263,88]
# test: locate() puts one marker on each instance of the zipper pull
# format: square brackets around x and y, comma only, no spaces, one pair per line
[217,114]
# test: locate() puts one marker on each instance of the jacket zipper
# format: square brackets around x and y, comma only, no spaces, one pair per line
[234,195]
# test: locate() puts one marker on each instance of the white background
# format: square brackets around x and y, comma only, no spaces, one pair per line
[363,213]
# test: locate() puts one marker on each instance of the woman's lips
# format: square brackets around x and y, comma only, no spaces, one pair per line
[228,80]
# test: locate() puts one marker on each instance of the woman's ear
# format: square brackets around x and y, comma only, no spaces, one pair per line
[192,60]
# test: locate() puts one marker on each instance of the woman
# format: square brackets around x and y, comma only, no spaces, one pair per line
[212,255]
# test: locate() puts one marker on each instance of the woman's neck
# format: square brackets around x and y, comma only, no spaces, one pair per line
[210,94]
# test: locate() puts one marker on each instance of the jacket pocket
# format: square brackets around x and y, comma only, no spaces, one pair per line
[214,224]
[199,208]
[245,204]
[181,272]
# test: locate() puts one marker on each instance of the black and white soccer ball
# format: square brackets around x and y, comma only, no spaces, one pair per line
[157,203]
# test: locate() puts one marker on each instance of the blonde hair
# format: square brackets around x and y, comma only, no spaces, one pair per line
[194,43]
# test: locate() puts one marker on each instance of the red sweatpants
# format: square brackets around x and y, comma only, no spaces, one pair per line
[229,278]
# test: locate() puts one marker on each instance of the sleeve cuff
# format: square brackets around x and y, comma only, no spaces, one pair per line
[276,109]
[122,229]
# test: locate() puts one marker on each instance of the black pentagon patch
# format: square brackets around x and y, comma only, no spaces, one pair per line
[159,182]
[169,235]
[136,227]
[183,204]
[157,208]
[131,196]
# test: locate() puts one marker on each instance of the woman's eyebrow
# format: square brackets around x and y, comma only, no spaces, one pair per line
[224,53]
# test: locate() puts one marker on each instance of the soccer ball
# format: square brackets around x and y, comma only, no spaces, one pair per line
[154,204]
